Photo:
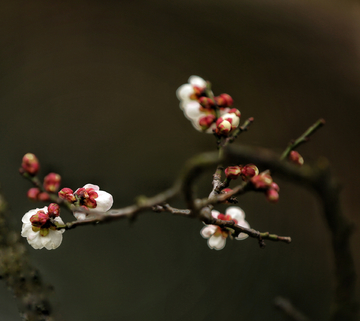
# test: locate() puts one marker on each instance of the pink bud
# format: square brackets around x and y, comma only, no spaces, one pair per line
[30,164]
[206,121]
[275,186]
[226,190]
[234,111]
[43,197]
[223,127]
[52,182]
[233,172]
[39,219]
[67,194]
[249,171]
[296,158]
[33,193]
[206,102]
[224,100]
[53,210]
[262,181]
[272,195]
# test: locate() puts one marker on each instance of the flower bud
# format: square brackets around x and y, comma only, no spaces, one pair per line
[262,181]
[232,119]
[296,158]
[272,195]
[206,102]
[206,121]
[275,186]
[52,182]
[249,171]
[234,111]
[223,127]
[39,219]
[233,172]
[43,197]
[33,193]
[226,190]
[224,100]
[30,164]
[67,194]
[54,210]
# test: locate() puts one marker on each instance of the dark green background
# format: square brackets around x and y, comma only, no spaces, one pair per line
[89,87]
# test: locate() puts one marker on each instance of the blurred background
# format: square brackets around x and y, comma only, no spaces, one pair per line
[89,87]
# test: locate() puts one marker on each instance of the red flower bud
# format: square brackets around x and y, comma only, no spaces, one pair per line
[53,210]
[30,164]
[223,127]
[52,182]
[206,102]
[233,172]
[224,100]
[296,158]
[275,186]
[249,171]
[206,121]
[43,197]
[272,195]
[234,111]
[39,219]
[67,194]
[33,193]
[262,181]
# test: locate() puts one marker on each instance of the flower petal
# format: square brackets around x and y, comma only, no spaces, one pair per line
[184,92]
[236,213]
[104,201]
[243,236]
[55,239]
[208,231]
[215,213]
[197,81]
[216,242]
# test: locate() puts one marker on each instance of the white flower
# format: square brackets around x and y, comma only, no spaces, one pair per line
[40,231]
[216,235]
[92,199]
[188,91]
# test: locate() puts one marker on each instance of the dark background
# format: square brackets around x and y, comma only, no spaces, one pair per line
[89,87]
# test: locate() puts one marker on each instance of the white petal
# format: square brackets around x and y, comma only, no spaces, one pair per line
[55,239]
[95,187]
[243,236]
[36,241]
[104,201]
[215,213]
[184,91]
[207,231]
[26,228]
[80,215]
[216,242]
[197,81]
[236,213]
[192,109]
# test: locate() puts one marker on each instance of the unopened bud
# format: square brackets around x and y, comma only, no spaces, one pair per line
[53,210]
[296,158]
[226,190]
[206,102]
[52,182]
[233,172]
[224,100]
[262,181]
[275,186]
[234,111]
[249,171]
[39,219]
[30,164]
[67,194]
[272,195]
[223,127]
[43,197]
[232,119]
[33,193]
[206,121]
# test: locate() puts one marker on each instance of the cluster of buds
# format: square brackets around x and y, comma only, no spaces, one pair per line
[40,227]
[201,109]
[245,171]
[264,182]
[30,167]
[228,122]
[89,198]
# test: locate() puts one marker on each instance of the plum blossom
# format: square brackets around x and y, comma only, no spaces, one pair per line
[216,235]
[40,228]
[91,198]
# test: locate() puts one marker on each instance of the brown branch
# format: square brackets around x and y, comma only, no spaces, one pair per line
[289,309]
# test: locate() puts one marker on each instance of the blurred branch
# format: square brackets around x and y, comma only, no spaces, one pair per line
[288,308]
[19,275]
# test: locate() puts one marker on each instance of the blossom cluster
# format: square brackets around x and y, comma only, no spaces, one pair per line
[44,227]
